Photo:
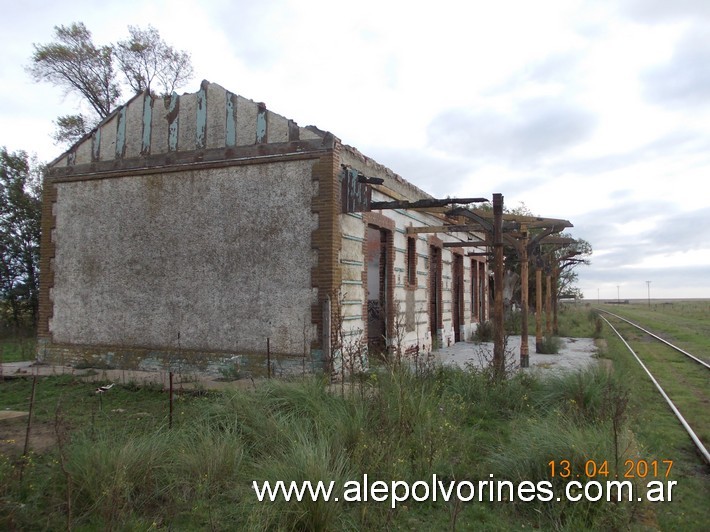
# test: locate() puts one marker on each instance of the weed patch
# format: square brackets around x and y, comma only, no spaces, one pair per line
[122,467]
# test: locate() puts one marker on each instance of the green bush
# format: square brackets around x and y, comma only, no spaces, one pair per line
[550,345]
[484,332]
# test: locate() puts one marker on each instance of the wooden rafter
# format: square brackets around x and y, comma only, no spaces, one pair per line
[468,244]
[465,228]
[423,204]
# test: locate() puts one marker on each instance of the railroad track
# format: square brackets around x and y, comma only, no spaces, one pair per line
[692,357]
[693,436]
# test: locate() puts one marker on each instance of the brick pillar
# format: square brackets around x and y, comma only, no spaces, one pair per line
[326,242]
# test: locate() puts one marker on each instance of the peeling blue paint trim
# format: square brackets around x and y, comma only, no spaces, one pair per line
[173,121]
[261,124]
[231,126]
[352,262]
[96,145]
[354,332]
[405,213]
[121,133]
[201,122]
[353,238]
[147,123]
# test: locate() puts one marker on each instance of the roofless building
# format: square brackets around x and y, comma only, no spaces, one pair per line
[189,230]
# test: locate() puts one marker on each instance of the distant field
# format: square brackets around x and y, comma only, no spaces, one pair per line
[685,323]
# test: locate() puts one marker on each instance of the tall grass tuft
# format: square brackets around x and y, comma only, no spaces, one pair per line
[308,457]
[536,442]
[401,425]
[115,475]
[592,395]
[550,345]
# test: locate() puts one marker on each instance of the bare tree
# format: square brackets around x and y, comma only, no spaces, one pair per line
[146,61]
[74,63]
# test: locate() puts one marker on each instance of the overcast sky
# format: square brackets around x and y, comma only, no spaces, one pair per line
[594,111]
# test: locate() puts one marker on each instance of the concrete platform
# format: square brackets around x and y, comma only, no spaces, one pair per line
[574,354]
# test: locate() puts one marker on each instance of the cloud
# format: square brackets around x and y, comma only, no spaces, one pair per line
[681,232]
[674,143]
[661,11]
[533,130]
[437,175]
[685,80]
[649,237]
[679,282]
[253,24]
[556,68]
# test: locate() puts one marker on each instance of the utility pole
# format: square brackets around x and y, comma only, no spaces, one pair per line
[618,298]
[648,285]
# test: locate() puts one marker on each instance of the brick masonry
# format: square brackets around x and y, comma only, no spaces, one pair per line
[326,243]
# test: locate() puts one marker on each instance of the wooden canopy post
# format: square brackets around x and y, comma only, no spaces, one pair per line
[548,296]
[538,304]
[555,300]
[524,349]
[498,332]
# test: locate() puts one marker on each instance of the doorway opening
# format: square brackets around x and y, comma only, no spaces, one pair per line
[457,299]
[435,313]
[377,304]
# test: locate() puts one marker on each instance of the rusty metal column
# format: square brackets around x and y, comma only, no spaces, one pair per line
[498,332]
[538,304]
[524,349]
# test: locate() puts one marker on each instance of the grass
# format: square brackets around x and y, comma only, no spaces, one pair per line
[17,348]
[112,462]
[118,469]
[684,323]
[659,434]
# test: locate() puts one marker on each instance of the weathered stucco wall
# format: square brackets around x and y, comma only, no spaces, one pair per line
[411,303]
[220,256]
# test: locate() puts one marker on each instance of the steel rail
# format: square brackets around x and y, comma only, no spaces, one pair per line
[703,450]
[698,360]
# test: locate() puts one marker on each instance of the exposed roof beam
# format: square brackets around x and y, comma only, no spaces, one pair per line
[468,244]
[423,204]
[465,228]
[510,220]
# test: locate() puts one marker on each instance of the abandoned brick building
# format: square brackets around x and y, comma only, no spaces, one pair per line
[188,230]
